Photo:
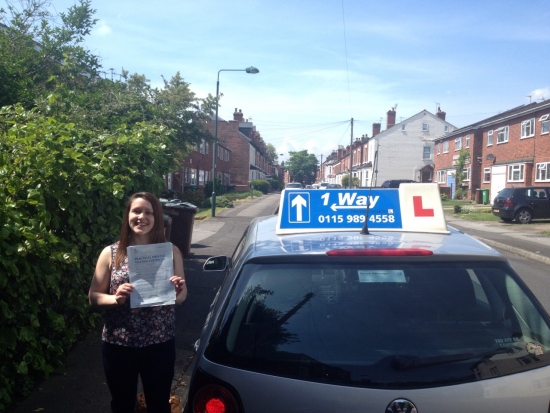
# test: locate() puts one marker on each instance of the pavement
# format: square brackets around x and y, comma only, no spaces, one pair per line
[81,387]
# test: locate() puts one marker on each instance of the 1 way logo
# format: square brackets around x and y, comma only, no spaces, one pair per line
[350,200]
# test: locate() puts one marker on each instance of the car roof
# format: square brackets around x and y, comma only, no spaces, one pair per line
[418,224]
[263,242]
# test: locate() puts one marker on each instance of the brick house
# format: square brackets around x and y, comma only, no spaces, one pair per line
[509,149]
[403,151]
[196,169]
[248,154]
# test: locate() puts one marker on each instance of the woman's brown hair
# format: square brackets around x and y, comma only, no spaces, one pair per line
[156,235]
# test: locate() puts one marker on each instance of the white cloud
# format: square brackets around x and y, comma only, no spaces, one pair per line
[102,29]
[540,94]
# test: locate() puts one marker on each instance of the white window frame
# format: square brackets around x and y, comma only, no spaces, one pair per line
[543,172]
[544,124]
[201,177]
[193,177]
[528,128]
[518,169]
[490,138]
[446,146]
[425,126]
[466,174]
[429,150]
[446,129]
[486,175]
[439,148]
[467,143]
[458,144]
[502,134]
[442,176]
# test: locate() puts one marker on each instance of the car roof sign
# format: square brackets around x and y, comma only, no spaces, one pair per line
[409,208]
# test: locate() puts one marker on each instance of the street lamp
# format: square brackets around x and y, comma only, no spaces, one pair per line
[251,70]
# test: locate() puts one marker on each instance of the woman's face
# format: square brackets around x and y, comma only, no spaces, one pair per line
[142,217]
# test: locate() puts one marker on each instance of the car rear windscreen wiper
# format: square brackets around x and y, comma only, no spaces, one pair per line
[404,362]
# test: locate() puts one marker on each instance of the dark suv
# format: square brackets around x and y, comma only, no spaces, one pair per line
[394,183]
[522,204]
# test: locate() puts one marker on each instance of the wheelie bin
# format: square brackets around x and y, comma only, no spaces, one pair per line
[180,232]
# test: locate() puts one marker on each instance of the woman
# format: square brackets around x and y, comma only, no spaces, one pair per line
[136,341]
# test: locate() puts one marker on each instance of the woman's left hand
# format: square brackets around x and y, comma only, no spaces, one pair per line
[179,283]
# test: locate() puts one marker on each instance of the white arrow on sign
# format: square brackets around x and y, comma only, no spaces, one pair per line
[335,207]
[299,203]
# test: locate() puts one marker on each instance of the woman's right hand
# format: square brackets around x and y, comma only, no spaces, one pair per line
[123,292]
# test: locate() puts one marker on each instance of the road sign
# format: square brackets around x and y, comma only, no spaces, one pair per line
[411,207]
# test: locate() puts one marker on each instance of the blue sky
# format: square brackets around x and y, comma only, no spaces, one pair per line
[323,62]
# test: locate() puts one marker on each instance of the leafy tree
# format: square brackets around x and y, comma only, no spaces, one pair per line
[302,166]
[272,152]
[34,46]
[354,181]
[463,157]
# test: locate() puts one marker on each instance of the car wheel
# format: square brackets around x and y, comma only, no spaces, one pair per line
[524,216]
[507,219]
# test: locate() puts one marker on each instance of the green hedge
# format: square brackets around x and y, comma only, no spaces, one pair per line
[62,196]
[261,185]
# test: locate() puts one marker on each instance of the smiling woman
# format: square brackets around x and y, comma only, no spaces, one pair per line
[137,341]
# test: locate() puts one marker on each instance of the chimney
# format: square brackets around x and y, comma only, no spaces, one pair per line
[376,129]
[238,115]
[441,115]
[390,118]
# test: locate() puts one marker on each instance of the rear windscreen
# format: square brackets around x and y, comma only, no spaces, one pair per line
[381,325]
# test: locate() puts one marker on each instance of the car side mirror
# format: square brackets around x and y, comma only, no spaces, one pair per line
[218,263]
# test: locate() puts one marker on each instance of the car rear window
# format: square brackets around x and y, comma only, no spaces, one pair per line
[382,325]
[506,193]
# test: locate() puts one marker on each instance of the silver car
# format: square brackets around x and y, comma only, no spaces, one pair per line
[385,321]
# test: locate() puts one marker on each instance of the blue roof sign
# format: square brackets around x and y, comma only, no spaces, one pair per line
[411,208]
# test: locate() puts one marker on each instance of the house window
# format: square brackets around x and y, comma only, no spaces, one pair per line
[487,175]
[489,138]
[193,177]
[427,153]
[515,173]
[543,172]
[201,177]
[227,156]
[467,144]
[439,148]
[202,148]
[445,146]
[207,147]
[446,128]
[466,174]
[544,127]
[502,134]
[528,128]
[403,127]
[458,144]
[425,127]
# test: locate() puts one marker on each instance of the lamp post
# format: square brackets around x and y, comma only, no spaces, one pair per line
[251,70]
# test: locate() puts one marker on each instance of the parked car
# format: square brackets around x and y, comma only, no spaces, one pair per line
[383,321]
[394,183]
[334,186]
[323,185]
[293,185]
[522,204]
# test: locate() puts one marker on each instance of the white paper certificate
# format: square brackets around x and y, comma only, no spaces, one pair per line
[151,267]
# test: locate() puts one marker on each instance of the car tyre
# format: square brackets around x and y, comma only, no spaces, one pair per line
[524,216]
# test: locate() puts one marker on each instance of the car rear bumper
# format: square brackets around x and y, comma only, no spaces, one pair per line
[503,212]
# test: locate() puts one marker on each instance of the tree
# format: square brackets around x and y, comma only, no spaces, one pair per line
[34,46]
[302,166]
[272,152]
[354,181]
[463,158]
